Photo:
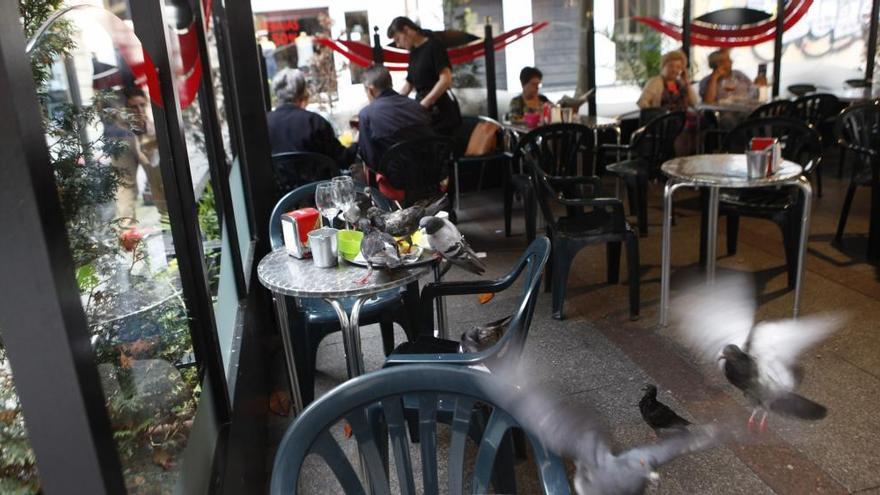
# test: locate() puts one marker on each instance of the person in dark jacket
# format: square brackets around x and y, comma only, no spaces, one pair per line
[390,117]
[429,73]
[293,128]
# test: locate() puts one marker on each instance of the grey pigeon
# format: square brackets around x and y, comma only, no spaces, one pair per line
[759,359]
[362,204]
[483,337]
[445,239]
[403,223]
[378,249]
[660,417]
[571,432]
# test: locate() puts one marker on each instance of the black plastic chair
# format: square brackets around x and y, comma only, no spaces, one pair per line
[604,223]
[372,405]
[311,320]
[510,346]
[858,132]
[416,168]
[802,144]
[558,147]
[649,147]
[498,154]
[777,108]
[297,168]
[801,89]
[818,111]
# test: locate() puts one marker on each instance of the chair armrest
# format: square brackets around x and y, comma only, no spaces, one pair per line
[613,203]
[613,147]
[572,181]
[460,359]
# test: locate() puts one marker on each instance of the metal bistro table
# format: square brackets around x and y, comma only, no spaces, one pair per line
[285,275]
[716,172]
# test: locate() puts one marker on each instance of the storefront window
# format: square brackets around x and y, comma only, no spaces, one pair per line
[105,155]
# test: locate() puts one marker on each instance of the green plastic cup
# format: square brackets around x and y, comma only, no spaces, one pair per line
[349,243]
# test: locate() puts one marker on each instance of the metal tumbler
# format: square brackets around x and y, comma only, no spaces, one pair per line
[323,245]
[756,163]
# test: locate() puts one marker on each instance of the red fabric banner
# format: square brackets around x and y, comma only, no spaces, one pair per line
[398,60]
[729,38]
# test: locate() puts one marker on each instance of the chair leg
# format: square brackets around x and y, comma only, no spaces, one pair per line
[818,175]
[632,271]
[386,324]
[612,252]
[704,225]
[531,213]
[457,204]
[548,268]
[844,212]
[732,233]
[508,205]
[642,194]
[562,259]
[840,160]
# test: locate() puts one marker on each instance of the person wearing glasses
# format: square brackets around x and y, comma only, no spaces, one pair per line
[725,83]
[530,100]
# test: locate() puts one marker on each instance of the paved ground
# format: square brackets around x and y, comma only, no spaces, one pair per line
[597,357]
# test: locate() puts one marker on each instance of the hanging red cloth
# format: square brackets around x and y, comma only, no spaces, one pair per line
[397,59]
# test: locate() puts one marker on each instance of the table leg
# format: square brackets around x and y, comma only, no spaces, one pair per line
[670,188]
[807,190]
[617,178]
[284,327]
[442,330]
[351,335]
[712,235]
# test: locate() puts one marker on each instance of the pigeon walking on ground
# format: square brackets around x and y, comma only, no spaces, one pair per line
[378,249]
[660,417]
[445,239]
[759,359]
[571,432]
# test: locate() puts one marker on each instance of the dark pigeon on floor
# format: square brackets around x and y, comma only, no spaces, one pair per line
[660,417]
[759,359]
[482,337]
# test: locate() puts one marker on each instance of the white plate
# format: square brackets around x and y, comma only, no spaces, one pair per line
[418,256]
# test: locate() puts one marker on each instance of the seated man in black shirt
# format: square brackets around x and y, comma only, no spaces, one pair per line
[293,128]
[390,117]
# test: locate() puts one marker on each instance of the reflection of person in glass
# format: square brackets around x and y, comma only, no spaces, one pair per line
[118,130]
[143,127]
[531,100]
[293,128]
[671,89]
[429,72]
[725,83]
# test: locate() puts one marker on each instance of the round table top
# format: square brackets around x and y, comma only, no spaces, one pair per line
[726,170]
[285,274]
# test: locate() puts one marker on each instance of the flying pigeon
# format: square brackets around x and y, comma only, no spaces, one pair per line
[571,432]
[377,248]
[479,338]
[658,415]
[445,239]
[759,359]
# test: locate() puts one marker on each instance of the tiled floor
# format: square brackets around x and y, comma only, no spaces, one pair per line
[600,358]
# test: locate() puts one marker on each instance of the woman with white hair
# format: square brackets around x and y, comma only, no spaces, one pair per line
[293,128]
[671,89]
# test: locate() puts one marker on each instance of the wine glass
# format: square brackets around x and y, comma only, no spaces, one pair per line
[343,193]
[325,203]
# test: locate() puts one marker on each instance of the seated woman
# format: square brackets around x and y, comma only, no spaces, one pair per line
[671,89]
[530,100]
[293,128]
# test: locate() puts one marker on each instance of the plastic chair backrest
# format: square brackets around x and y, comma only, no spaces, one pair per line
[372,405]
[815,108]
[778,108]
[801,143]
[557,148]
[293,169]
[858,128]
[300,197]
[418,165]
[654,142]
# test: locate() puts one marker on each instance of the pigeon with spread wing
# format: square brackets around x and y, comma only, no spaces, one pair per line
[759,359]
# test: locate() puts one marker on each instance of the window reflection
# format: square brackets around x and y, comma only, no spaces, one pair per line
[103,145]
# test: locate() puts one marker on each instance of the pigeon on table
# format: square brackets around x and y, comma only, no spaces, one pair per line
[660,417]
[572,432]
[445,239]
[403,223]
[378,248]
[362,204]
[759,359]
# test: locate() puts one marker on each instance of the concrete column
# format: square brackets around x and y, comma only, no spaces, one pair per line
[517,13]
